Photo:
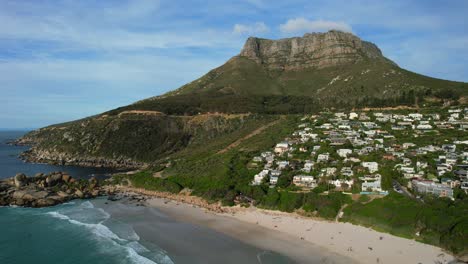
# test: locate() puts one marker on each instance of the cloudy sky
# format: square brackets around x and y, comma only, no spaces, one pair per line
[63,60]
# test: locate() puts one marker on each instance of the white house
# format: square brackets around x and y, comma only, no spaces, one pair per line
[353,115]
[258,178]
[341,182]
[372,183]
[281,148]
[344,152]
[305,181]
[323,157]
[283,164]
[371,166]
[423,127]
[308,165]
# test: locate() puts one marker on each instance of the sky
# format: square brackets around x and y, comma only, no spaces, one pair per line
[63,60]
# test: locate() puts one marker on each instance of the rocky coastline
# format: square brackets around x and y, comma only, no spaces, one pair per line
[51,189]
[35,155]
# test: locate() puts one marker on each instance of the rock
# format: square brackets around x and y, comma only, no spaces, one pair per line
[39,175]
[53,179]
[36,191]
[20,180]
[315,50]
[66,178]
[63,194]
[463,257]
[79,194]
[45,202]
[30,195]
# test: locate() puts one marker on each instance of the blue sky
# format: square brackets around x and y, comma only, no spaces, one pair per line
[63,60]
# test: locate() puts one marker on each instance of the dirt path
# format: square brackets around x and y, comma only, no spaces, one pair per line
[339,215]
[255,132]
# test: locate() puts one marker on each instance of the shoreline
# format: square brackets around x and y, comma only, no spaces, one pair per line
[294,235]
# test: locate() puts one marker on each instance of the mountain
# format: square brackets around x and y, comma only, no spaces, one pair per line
[268,78]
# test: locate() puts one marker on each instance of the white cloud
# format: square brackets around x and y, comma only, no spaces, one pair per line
[302,25]
[257,28]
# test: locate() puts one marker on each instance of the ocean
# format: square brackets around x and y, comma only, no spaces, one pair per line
[10,164]
[101,231]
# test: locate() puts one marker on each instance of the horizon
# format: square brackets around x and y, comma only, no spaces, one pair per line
[62,60]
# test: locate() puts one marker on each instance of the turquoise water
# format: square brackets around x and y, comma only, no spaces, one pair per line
[10,164]
[99,231]
[76,232]
[102,232]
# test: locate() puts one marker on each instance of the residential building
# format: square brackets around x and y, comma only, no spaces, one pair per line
[430,187]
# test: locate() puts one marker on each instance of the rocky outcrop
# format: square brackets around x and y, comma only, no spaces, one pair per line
[47,190]
[314,50]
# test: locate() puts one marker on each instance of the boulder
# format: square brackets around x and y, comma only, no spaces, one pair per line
[20,180]
[66,178]
[63,194]
[39,175]
[53,179]
[45,202]
[79,193]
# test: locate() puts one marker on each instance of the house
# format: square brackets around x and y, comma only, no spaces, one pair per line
[371,166]
[281,148]
[353,115]
[305,181]
[308,165]
[328,171]
[326,126]
[258,159]
[273,180]
[423,127]
[408,145]
[323,157]
[258,178]
[450,182]
[416,116]
[430,187]
[388,157]
[344,152]
[449,147]
[283,164]
[370,125]
[347,171]
[341,183]
[372,183]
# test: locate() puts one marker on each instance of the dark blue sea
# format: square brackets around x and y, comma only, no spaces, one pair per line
[105,232]
[10,164]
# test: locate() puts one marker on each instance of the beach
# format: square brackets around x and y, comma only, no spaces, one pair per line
[305,240]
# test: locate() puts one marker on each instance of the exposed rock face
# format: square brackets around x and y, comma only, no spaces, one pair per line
[315,50]
[46,190]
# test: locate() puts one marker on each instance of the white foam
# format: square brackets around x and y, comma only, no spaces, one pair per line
[98,229]
[132,248]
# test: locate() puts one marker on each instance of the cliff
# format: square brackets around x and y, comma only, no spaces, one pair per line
[314,50]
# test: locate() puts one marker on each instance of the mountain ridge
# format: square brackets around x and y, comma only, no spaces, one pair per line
[268,77]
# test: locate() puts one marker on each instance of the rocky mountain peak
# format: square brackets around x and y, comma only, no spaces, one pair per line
[313,50]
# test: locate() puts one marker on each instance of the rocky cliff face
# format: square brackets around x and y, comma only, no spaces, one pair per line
[314,50]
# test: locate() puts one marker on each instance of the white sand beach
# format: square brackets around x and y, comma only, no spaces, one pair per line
[306,240]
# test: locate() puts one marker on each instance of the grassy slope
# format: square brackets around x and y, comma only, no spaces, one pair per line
[241,85]
[147,138]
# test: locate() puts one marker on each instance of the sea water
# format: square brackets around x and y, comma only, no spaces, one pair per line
[84,232]
[10,164]
[76,232]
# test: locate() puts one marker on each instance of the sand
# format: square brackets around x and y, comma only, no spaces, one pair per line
[305,240]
